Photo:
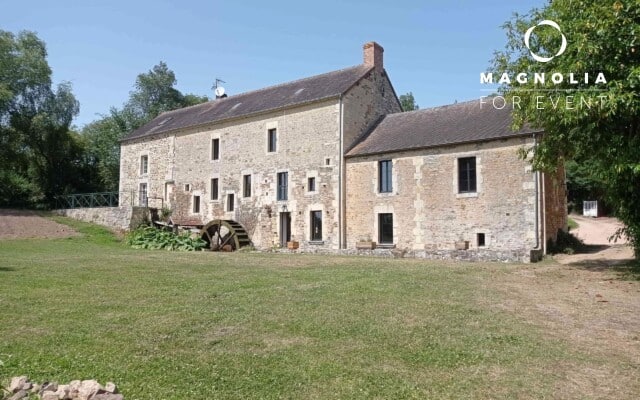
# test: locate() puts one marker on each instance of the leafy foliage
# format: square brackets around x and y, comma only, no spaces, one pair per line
[583,184]
[148,237]
[39,155]
[602,37]
[408,102]
[154,94]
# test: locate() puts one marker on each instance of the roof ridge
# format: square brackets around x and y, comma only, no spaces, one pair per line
[295,81]
[460,103]
[225,99]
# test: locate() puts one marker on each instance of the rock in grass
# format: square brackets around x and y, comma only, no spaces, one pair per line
[17,384]
[88,389]
[108,396]
[63,392]
[110,387]
[49,387]
[20,394]
[49,395]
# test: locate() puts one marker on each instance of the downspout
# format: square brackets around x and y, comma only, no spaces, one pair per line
[536,176]
[544,218]
[341,189]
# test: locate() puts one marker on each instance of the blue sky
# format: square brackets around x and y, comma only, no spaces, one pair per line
[435,49]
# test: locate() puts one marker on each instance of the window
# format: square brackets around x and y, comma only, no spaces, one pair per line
[311,184]
[467,175]
[273,140]
[316,226]
[214,189]
[327,161]
[144,165]
[187,187]
[385,228]
[384,176]
[230,202]
[481,242]
[246,186]
[142,195]
[215,149]
[196,204]
[283,185]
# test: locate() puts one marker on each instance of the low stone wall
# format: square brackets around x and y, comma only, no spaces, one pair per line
[117,218]
[472,255]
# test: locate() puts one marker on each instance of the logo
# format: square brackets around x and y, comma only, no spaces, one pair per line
[527,37]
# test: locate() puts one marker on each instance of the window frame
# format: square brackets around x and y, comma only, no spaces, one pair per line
[282,190]
[144,164]
[481,239]
[231,202]
[272,140]
[385,176]
[143,195]
[246,186]
[215,189]
[467,175]
[381,228]
[215,149]
[316,226]
[195,208]
[311,184]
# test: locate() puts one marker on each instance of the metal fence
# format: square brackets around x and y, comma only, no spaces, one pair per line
[88,200]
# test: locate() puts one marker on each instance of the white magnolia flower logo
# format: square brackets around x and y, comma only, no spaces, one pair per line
[527,37]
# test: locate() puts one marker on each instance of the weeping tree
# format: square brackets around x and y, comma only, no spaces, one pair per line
[593,121]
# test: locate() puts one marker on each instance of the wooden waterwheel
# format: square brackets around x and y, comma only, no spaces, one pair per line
[225,235]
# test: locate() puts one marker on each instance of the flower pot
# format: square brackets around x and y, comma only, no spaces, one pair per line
[293,245]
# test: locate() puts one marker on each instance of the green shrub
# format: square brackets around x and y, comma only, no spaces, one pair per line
[148,237]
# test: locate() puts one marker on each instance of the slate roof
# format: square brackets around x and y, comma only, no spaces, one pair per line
[288,94]
[440,126]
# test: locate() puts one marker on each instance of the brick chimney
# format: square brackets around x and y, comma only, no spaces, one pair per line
[373,55]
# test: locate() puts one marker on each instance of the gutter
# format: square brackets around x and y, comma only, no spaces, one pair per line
[544,218]
[536,175]
[428,147]
[341,188]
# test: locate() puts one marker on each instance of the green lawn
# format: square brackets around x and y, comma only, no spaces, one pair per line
[168,325]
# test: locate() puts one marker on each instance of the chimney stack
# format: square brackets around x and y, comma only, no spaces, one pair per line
[373,55]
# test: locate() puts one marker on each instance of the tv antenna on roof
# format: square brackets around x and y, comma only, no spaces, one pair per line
[218,89]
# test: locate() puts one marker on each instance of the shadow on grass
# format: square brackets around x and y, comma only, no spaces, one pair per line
[6,269]
[626,268]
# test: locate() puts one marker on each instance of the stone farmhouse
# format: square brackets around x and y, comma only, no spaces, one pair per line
[330,163]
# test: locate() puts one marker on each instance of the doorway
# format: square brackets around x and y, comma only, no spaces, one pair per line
[285,228]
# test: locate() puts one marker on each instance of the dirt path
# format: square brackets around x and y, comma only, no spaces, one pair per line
[596,232]
[589,302]
[24,224]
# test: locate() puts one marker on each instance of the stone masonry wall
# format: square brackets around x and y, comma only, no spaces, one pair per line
[307,146]
[555,192]
[365,103]
[116,218]
[428,212]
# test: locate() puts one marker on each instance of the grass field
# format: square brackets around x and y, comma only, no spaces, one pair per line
[169,325]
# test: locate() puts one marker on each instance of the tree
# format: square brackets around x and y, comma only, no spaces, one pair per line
[598,124]
[408,103]
[39,156]
[154,94]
